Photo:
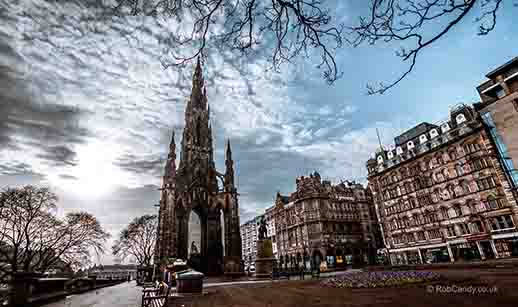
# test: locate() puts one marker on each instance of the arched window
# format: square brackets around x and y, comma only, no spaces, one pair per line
[433,133]
[398,190]
[439,177]
[439,159]
[380,159]
[493,202]
[390,155]
[451,189]
[453,154]
[445,173]
[410,145]
[460,119]
[445,127]
[435,197]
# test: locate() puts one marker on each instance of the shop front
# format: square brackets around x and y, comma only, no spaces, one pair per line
[506,245]
[466,251]
[435,255]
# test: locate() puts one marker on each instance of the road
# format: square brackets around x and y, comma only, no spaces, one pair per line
[122,295]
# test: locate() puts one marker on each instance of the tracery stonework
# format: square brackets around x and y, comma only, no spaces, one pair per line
[194,187]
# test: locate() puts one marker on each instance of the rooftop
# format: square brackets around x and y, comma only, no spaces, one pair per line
[492,74]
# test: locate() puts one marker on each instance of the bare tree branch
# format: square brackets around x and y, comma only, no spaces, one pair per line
[418,24]
[138,240]
[287,28]
[32,238]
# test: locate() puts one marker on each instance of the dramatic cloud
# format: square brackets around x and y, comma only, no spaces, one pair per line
[87,108]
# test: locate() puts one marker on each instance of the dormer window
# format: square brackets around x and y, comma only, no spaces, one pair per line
[423,138]
[445,127]
[460,119]
[410,145]
[399,150]
[380,160]
[433,133]
[390,155]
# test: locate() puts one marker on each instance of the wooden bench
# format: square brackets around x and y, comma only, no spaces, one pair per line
[156,297]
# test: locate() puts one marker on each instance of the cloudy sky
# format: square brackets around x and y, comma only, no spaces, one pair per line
[87,108]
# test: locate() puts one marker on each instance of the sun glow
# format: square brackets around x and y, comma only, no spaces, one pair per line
[95,174]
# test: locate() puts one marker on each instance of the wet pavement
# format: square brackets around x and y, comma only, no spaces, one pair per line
[122,295]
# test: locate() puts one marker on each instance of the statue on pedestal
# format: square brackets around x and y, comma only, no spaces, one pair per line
[262,230]
[264,260]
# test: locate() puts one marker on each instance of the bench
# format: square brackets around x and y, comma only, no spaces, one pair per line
[156,297]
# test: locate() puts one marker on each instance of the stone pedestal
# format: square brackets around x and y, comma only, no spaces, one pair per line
[264,259]
[233,266]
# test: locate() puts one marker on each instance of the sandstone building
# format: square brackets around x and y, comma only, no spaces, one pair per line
[196,186]
[321,222]
[441,193]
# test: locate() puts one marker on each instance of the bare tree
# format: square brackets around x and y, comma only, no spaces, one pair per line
[417,24]
[32,238]
[138,240]
[287,28]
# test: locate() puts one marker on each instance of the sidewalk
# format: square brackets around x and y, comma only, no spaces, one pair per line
[508,263]
[221,281]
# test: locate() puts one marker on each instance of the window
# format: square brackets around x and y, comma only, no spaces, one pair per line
[434,234]
[444,213]
[458,210]
[450,231]
[492,202]
[463,229]
[500,93]
[476,227]
[420,236]
[486,183]
[515,103]
[465,187]
[502,222]
[460,118]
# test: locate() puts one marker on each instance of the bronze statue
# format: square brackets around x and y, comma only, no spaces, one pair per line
[262,229]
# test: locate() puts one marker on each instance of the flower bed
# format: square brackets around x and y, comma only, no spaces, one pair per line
[379,279]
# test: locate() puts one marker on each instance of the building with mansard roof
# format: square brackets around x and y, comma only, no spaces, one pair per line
[441,193]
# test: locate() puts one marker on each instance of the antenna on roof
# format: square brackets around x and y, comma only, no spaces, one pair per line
[379,138]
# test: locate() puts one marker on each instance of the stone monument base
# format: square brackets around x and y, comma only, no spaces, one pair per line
[264,260]
[233,267]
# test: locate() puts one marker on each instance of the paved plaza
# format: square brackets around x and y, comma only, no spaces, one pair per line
[122,295]
[310,293]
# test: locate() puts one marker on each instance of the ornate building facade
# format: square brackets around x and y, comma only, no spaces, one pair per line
[196,186]
[321,222]
[441,193]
